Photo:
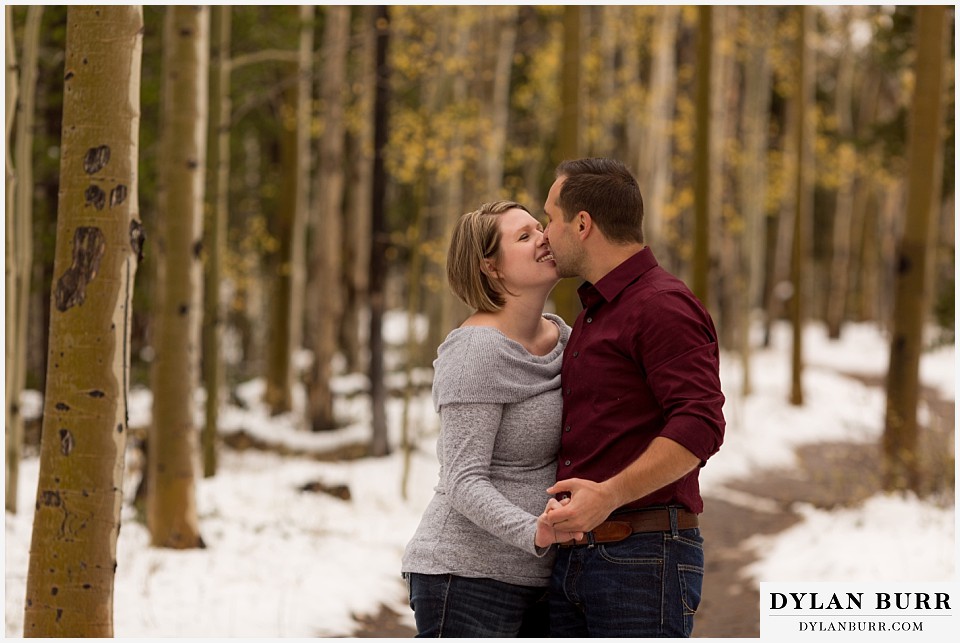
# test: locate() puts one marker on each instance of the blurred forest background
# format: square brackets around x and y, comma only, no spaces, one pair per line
[297,169]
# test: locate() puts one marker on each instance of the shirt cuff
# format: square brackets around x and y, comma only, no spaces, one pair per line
[541,551]
[693,434]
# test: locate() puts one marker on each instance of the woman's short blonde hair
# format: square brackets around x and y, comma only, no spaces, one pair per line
[476,238]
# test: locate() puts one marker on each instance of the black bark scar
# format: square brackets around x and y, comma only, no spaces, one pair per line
[89,245]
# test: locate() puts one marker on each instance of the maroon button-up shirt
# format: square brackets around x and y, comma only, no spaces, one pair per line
[642,361]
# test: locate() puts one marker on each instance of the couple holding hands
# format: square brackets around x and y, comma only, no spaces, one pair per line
[568,499]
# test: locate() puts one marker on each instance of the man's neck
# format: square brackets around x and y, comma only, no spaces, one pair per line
[606,256]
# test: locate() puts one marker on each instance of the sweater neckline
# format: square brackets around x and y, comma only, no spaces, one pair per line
[550,356]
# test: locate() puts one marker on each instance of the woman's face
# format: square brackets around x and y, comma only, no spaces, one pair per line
[525,260]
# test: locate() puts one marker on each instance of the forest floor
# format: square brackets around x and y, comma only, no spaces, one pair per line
[828,475]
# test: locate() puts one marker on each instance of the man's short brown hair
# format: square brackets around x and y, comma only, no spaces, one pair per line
[608,191]
[476,238]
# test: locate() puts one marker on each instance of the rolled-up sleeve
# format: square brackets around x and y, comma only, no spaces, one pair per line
[680,354]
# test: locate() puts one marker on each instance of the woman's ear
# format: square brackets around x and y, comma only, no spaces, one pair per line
[489,268]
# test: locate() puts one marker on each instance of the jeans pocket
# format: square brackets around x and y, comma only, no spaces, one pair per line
[625,555]
[690,572]
[691,587]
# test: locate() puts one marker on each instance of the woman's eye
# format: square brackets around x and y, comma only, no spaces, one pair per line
[524,236]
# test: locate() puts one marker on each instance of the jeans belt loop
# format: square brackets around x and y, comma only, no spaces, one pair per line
[674,529]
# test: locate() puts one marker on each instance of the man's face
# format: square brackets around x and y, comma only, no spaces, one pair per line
[561,235]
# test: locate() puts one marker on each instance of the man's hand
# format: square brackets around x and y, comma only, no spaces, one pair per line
[663,462]
[588,505]
[547,534]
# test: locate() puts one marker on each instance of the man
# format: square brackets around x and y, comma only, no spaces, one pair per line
[642,412]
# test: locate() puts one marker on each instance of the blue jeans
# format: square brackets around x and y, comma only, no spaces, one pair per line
[647,585]
[445,605]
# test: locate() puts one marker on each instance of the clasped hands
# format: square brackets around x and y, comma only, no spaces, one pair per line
[582,506]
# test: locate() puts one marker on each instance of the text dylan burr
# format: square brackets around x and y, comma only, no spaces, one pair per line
[855,601]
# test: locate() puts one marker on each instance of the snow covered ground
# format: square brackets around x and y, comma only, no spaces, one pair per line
[281,562]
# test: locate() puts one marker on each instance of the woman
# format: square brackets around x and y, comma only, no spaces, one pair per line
[479,563]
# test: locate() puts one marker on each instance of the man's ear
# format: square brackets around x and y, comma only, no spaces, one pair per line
[584,223]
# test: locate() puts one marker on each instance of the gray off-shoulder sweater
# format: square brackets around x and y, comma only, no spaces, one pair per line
[499,411]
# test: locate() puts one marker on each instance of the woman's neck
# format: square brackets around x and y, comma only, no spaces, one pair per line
[520,319]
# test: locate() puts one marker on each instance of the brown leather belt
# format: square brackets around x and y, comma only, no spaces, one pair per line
[635,522]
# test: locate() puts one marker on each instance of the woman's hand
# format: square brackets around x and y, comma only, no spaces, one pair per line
[547,534]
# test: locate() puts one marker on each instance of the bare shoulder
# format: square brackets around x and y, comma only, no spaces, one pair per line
[549,330]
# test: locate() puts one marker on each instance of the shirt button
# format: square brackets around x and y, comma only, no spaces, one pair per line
[589,320]
[566,462]
[576,353]
[568,391]
[567,428]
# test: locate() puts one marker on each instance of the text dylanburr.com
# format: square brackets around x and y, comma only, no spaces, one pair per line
[860,611]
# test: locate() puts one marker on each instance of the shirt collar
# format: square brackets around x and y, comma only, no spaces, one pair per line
[613,283]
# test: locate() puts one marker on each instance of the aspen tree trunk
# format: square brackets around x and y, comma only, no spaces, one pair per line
[913,283]
[379,443]
[247,304]
[21,253]
[14,440]
[864,201]
[639,114]
[475,86]
[459,25]
[865,198]
[287,312]
[453,204]
[890,231]
[357,230]
[755,117]
[843,213]
[448,200]
[701,246]
[99,237]
[280,337]
[608,119]
[564,295]
[878,255]
[413,307]
[726,274]
[656,149]
[326,299]
[500,102]
[778,281]
[218,176]
[172,455]
[871,254]
[803,210]
[569,126]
